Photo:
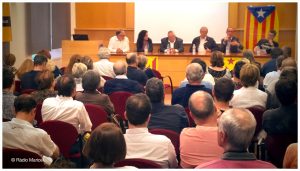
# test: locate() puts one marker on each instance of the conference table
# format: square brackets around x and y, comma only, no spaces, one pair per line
[173,64]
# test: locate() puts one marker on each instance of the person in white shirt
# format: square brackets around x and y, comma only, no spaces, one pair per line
[64,108]
[19,133]
[104,67]
[119,43]
[142,144]
[274,75]
[249,95]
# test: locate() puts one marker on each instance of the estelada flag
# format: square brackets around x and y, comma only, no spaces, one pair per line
[6,23]
[152,62]
[259,21]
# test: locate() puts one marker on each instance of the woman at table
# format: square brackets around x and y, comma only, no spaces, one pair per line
[217,68]
[144,42]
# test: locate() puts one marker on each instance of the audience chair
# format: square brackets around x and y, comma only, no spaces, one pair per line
[119,98]
[63,134]
[17,89]
[38,114]
[27,91]
[258,112]
[138,163]
[159,76]
[276,146]
[173,136]
[10,157]
[191,120]
[97,114]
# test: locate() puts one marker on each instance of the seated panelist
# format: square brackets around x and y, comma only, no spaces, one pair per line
[119,43]
[230,43]
[203,43]
[171,44]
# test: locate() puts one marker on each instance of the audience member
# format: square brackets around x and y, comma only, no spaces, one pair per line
[291,157]
[88,62]
[286,51]
[90,95]
[283,120]
[9,60]
[19,133]
[119,43]
[144,42]
[133,72]
[50,64]
[223,93]
[142,62]
[106,146]
[162,114]
[7,93]
[142,144]
[26,66]
[73,59]
[271,64]
[236,74]
[194,75]
[249,95]
[208,80]
[171,44]
[230,42]
[64,108]
[77,71]
[274,75]
[121,82]
[45,82]
[199,145]
[27,80]
[104,67]
[266,45]
[217,69]
[248,54]
[204,43]
[236,128]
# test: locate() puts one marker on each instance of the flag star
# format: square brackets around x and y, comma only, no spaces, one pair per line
[261,13]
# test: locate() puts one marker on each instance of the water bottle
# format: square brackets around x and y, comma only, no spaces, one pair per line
[146,50]
[194,49]
[227,52]
[168,48]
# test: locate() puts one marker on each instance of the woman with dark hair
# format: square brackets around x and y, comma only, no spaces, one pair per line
[144,42]
[217,69]
[106,146]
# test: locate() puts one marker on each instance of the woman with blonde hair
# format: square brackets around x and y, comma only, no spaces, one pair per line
[26,66]
[78,71]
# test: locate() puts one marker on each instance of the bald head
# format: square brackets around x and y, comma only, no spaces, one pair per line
[120,68]
[194,73]
[238,126]
[201,105]
[203,32]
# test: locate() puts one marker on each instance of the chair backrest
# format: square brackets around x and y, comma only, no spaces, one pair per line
[173,136]
[97,114]
[18,158]
[276,146]
[27,91]
[119,98]
[63,134]
[138,163]
[157,74]
[17,86]
[38,114]
[191,120]
[258,112]
[106,77]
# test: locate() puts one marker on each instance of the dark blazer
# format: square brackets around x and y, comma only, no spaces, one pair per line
[233,49]
[181,95]
[264,44]
[162,114]
[28,80]
[177,45]
[139,46]
[136,74]
[210,44]
[115,84]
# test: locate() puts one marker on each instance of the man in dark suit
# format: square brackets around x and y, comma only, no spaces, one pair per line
[133,72]
[121,82]
[162,114]
[267,44]
[230,43]
[171,44]
[203,42]
[194,75]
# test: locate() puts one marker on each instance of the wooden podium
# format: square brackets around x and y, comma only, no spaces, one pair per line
[81,47]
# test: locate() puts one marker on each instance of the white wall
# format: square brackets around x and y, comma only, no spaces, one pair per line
[18,44]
